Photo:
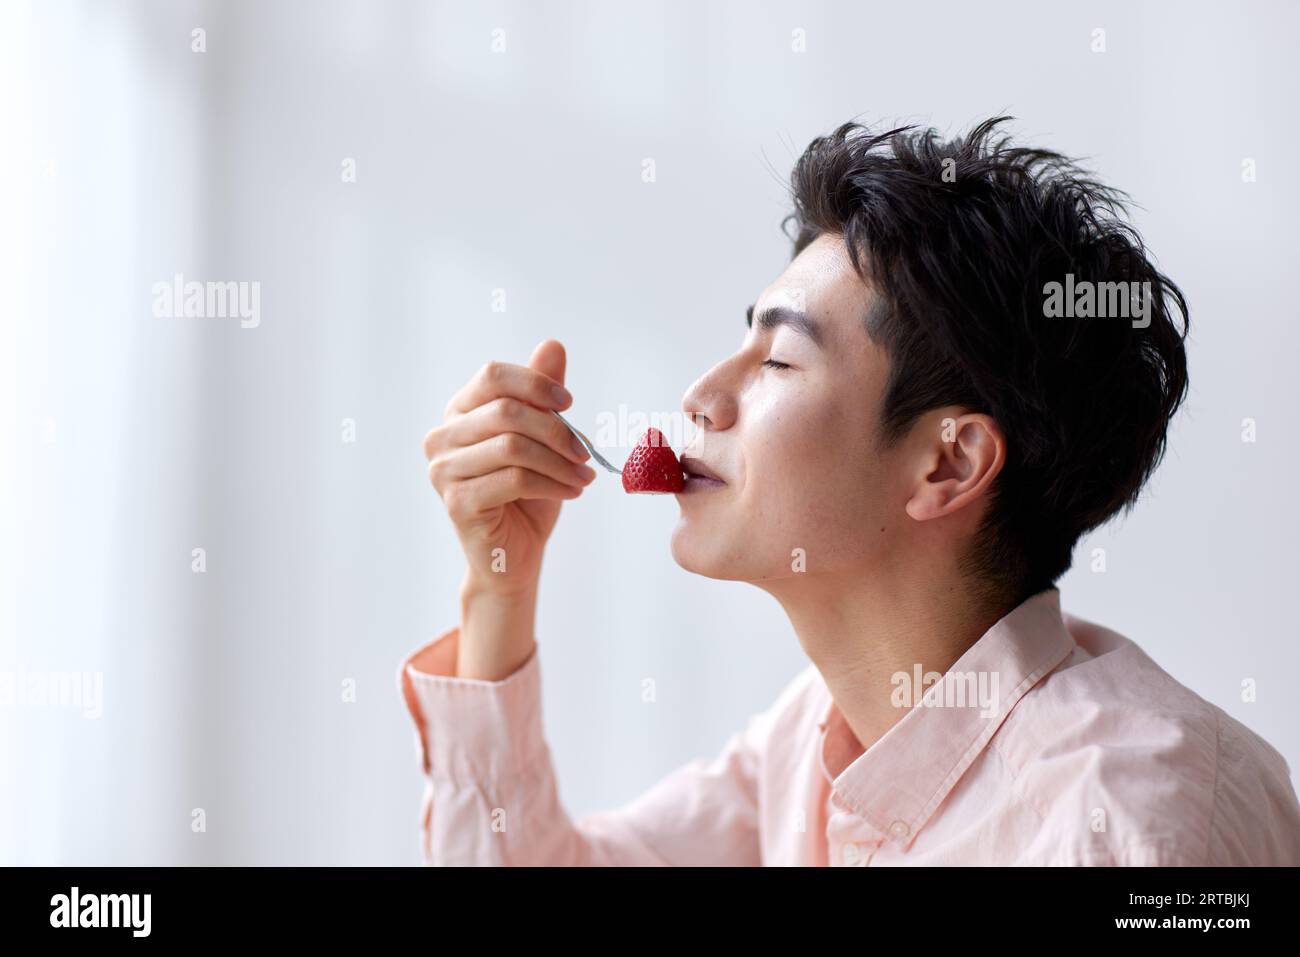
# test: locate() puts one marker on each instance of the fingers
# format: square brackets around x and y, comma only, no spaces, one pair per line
[549,359]
[470,497]
[500,443]
[505,450]
[501,415]
[505,379]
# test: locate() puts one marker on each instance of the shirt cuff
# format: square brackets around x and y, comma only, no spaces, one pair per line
[470,729]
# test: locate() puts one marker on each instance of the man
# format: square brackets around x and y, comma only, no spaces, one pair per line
[969,363]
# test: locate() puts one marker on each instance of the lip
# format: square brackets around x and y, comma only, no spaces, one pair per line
[698,483]
[694,468]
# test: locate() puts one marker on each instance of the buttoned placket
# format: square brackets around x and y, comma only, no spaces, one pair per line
[849,840]
[842,819]
[858,851]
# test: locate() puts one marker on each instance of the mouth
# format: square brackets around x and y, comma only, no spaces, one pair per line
[699,476]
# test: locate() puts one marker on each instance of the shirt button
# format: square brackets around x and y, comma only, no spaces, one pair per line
[899,829]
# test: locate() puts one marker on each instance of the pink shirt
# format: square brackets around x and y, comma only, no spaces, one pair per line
[1083,751]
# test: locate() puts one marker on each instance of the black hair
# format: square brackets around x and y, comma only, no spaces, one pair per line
[959,241]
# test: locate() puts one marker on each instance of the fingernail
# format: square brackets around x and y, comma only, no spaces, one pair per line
[579,448]
[560,395]
[585,472]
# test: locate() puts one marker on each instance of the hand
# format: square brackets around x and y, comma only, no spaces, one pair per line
[503,465]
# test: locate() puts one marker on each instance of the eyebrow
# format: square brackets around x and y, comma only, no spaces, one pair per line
[775,316]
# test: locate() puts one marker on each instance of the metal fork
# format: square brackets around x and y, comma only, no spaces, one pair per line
[600,459]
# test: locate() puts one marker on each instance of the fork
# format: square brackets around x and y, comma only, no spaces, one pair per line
[600,459]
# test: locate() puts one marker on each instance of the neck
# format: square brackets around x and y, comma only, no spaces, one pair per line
[860,630]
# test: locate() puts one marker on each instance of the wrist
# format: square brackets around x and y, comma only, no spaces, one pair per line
[477,589]
[496,630]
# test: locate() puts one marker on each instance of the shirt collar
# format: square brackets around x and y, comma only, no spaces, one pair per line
[898,782]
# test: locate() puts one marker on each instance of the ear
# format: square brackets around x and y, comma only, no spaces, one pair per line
[959,463]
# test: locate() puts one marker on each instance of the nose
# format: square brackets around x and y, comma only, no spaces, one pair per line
[710,402]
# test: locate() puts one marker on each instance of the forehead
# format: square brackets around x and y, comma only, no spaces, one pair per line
[822,283]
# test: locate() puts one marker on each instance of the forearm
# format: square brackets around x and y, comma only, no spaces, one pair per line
[496,630]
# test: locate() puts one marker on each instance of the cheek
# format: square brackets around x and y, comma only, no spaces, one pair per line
[784,458]
[813,480]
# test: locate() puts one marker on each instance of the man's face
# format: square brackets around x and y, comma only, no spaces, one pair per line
[795,447]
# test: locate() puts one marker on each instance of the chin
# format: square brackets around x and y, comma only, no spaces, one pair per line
[700,553]
[691,550]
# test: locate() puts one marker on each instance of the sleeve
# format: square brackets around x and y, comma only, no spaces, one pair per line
[491,798]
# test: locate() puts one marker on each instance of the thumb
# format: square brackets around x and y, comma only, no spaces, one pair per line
[549,359]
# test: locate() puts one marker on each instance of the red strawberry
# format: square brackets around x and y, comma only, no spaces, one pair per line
[652,466]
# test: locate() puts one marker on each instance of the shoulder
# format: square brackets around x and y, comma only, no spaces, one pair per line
[1257,817]
[1126,765]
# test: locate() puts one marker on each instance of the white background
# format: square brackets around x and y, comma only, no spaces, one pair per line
[132,440]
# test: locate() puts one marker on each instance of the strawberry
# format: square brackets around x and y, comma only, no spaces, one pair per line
[652,466]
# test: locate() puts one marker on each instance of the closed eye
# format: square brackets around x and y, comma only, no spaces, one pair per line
[773,364]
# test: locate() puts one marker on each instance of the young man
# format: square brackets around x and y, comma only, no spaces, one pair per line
[969,363]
